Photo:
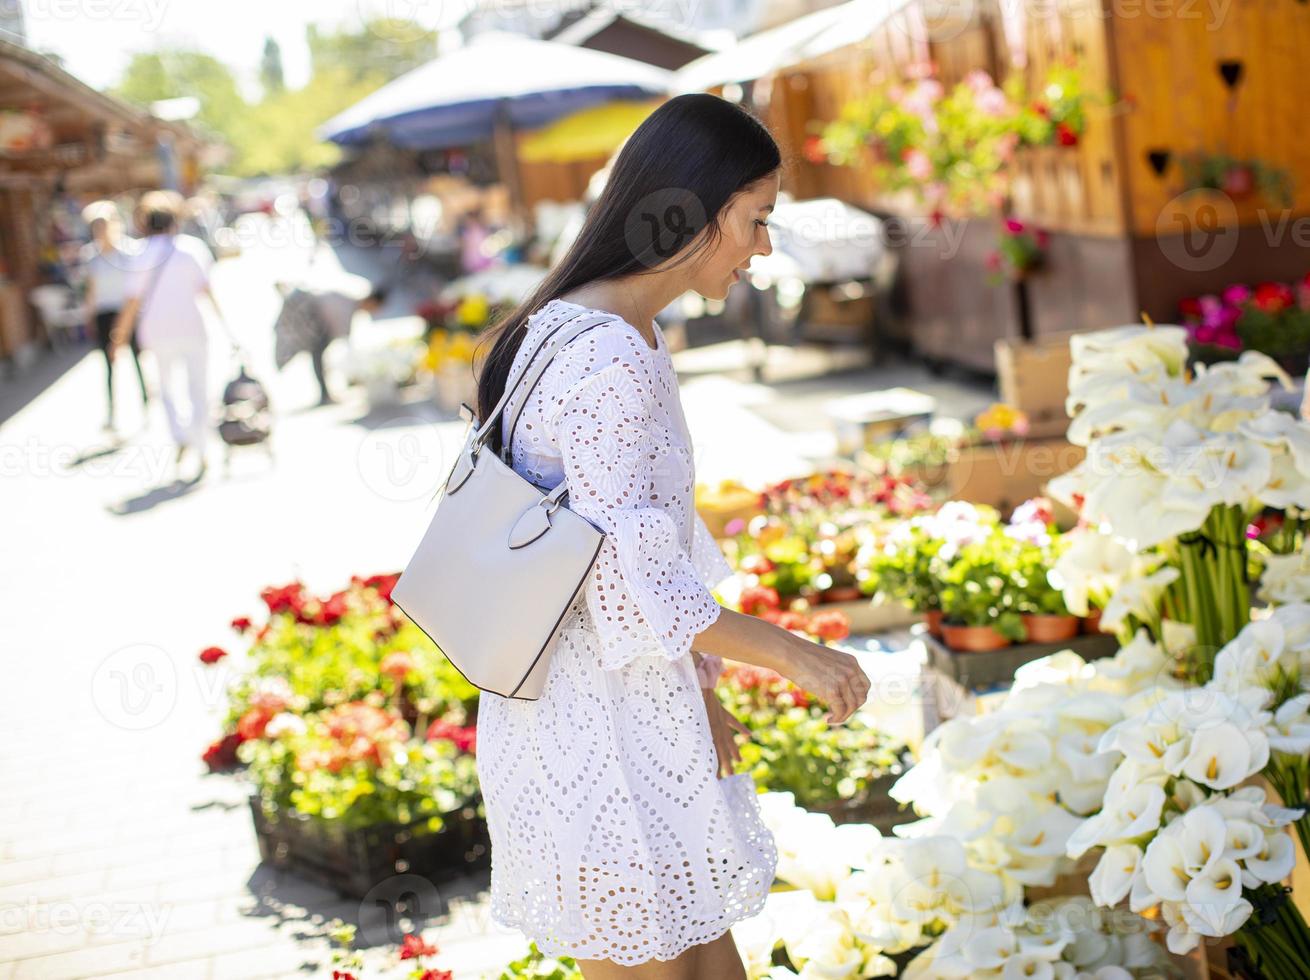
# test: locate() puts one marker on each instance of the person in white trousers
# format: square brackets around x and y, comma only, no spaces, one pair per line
[164,288]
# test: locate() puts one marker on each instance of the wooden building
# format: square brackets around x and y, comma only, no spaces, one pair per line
[1183,78]
[63,138]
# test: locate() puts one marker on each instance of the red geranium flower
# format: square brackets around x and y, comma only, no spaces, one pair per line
[414,946]
[280,599]
[212,655]
[222,753]
[397,664]
[383,584]
[1064,135]
[437,975]
[755,599]
[830,625]
[253,722]
[813,149]
[1271,297]
[791,621]
[465,738]
[241,624]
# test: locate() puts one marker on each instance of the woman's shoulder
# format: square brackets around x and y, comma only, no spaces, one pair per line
[612,342]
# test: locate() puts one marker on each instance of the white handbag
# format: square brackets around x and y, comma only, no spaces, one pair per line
[502,561]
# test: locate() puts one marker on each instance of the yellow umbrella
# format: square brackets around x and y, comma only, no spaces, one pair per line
[585,135]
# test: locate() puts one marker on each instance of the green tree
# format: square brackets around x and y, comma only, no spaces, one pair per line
[270,68]
[278,136]
[155,75]
[385,48]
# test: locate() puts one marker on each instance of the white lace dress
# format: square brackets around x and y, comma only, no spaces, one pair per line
[612,835]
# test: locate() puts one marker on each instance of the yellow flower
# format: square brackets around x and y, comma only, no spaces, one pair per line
[460,348]
[1001,417]
[473,310]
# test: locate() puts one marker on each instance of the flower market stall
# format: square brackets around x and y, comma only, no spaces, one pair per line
[1126,797]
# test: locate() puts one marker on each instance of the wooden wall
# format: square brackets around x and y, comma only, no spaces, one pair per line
[1168,67]
[1122,240]
[556,181]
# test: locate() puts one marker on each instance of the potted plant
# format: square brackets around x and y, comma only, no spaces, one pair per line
[1237,178]
[979,601]
[358,737]
[1046,618]
[1020,251]
[904,569]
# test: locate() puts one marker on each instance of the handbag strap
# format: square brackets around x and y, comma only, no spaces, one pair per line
[154,280]
[533,368]
[507,447]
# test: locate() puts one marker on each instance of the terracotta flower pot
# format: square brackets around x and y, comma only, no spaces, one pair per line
[1050,629]
[932,618]
[1092,622]
[973,639]
[841,593]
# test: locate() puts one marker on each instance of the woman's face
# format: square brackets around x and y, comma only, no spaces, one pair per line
[743,234]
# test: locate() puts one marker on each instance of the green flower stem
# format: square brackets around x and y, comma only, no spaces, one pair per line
[1280,948]
[1288,778]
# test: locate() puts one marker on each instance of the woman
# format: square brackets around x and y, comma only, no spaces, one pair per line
[104,263]
[163,308]
[613,838]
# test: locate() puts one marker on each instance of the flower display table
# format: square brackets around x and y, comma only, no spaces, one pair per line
[985,670]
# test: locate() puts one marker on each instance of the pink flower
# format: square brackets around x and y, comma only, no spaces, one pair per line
[1236,294]
[918,165]
[397,664]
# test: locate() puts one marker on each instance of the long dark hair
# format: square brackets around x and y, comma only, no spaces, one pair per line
[669,182]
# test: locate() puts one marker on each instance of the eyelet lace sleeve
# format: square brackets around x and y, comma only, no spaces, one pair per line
[707,556]
[645,596]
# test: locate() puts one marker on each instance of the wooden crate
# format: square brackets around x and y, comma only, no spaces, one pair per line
[876,807]
[981,671]
[353,862]
[1005,474]
[1033,376]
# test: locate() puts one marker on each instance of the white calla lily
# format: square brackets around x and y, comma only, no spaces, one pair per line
[1112,879]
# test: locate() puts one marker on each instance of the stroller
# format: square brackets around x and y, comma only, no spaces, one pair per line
[246,419]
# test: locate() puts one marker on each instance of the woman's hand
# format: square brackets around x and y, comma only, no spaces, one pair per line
[831,675]
[722,725]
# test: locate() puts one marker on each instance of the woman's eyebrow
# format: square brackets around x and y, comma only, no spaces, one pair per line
[767,207]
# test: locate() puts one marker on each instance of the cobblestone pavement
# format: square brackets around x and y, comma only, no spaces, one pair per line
[118,856]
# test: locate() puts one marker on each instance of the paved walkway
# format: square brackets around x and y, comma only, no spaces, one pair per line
[118,856]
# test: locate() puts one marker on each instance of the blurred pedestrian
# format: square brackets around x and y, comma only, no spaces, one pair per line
[168,278]
[105,268]
[313,317]
[473,233]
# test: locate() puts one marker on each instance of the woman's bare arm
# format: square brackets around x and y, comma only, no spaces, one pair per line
[834,676]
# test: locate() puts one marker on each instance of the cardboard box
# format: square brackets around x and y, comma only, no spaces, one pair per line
[1005,474]
[1033,376]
